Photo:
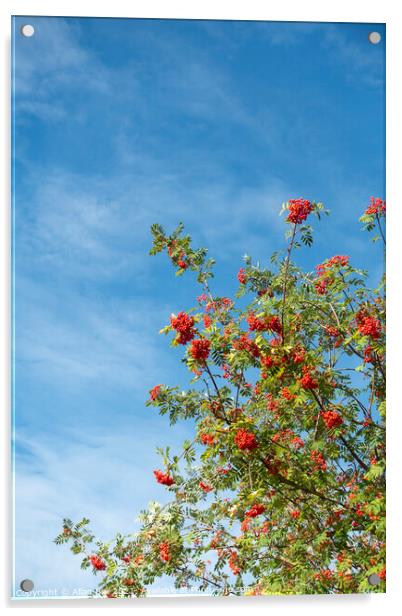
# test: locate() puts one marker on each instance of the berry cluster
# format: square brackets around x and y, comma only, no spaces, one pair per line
[272,324]
[199,349]
[319,460]
[205,487]
[377,206]
[244,343]
[241,276]
[368,325]
[299,209]
[164,551]
[233,563]
[163,478]
[97,563]
[332,419]
[154,392]
[307,381]
[325,272]
[184,325]
[255,510]
[245,440]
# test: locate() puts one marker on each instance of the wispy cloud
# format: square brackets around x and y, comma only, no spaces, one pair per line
[358,59]
[56,65]
[71,221]
[66,339]
[100,476]
[99,228]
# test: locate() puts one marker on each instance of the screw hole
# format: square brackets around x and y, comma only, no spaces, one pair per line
[28,30]
[374,38]
[27,585]
[374,579]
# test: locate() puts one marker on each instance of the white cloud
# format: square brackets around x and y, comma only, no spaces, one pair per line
[66,339]
[56,64]
[361,62]
[99,228]
[105,477]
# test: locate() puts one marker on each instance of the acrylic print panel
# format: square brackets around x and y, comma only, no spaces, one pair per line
[193,422]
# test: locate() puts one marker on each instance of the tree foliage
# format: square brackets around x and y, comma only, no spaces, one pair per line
[282,489]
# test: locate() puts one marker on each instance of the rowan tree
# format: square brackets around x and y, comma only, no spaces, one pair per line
[282,488]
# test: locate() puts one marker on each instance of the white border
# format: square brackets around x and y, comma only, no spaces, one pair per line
[286,10]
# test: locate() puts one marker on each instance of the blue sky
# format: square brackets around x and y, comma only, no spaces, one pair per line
[122,123]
